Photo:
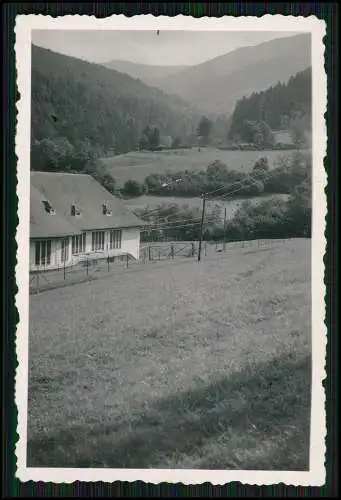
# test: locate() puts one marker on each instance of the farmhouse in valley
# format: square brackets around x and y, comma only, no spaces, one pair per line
[72,217]
[283,138]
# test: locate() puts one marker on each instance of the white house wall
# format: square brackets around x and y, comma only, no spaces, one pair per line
[130,244]
[56,254]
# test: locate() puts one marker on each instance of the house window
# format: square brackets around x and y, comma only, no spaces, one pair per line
[75,211]
[97,241]
[65,250]
[78,243]
[106,210]
[48,207]
[115,239]
[43,253]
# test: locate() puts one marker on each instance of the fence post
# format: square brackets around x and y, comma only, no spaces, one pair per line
[205,248]
[127,261]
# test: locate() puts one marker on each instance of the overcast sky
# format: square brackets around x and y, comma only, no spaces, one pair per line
[145,47]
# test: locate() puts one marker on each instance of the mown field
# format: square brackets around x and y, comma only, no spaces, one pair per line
[181,365]
[151,202]
[137,165]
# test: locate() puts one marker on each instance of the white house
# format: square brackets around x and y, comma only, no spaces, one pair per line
[72,217]
[283,137]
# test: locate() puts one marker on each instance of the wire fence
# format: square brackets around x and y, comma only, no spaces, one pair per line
[91,269]
[77,271]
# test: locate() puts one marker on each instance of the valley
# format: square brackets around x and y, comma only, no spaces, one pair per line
[136,165]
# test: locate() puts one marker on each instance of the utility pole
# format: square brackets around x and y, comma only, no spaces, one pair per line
[202,224]
[225,229]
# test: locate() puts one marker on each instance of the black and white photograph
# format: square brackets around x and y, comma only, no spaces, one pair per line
[170,249]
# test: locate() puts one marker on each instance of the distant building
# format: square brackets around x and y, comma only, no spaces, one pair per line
[166,141]
[73,217]
[283,138]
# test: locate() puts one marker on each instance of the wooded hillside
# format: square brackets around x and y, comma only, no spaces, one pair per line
[283,106]
[88,103]
[216,85]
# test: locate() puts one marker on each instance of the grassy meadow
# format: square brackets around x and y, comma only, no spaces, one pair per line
[137,165]
[179,365]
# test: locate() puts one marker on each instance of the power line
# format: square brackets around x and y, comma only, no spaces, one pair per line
[248,177]
[178,223]
[207,193]
[173,227]
[224,196]
[166,225]
[268,176]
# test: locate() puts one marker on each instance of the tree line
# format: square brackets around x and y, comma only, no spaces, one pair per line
[283,106]
[261,180]
[83,102]
[271,218]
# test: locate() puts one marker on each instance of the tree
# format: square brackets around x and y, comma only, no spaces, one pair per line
[261,164]
[176,142]
[109,183]
[261,168]
[217,174]
[248,130]
[132,188]
[274,107]
[299,126]
[258,139]
[98,171]
[150,138]
[267,134]
[154,139]
[251,187]
[204,130]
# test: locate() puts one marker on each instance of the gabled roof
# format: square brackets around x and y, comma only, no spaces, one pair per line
[43,225]
[62,191]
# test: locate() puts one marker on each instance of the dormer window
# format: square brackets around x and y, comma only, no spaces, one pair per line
[48,207]
[75,211]
[106,210]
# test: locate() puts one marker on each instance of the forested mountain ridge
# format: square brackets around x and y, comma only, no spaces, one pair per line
[84,102]
[216,85]
[147,73]
[283,106]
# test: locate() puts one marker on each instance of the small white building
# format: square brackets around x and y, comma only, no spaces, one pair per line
[283,138]
[72,218]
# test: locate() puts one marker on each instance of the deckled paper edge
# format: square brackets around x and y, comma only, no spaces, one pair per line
[24,25]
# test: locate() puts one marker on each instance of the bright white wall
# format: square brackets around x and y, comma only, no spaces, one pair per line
[56,253]
[130,242]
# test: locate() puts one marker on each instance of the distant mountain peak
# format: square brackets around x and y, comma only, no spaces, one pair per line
[214,86]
